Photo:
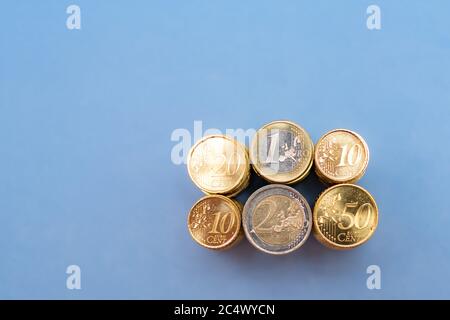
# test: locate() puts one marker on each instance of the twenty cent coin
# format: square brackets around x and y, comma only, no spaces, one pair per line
[214,222]
[277,219]
[341,156]
[282,152]
[345,216]
[219,164]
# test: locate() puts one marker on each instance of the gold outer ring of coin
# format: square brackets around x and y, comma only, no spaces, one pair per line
[326,242]
[295,177]
[241,182]
[303,176]
[327,179]
[237,235]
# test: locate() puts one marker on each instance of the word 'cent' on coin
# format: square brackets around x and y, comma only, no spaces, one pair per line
[345,216]
[282,152]
[214,222]
[277,219]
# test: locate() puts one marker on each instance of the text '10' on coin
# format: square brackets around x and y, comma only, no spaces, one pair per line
[277,219]
[341,156]
[345,216]
[282,152]
[219,164]
[214,222]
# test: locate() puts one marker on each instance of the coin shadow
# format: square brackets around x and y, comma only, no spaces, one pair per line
[256,182]
[311,253]
[312,257]
[310,188]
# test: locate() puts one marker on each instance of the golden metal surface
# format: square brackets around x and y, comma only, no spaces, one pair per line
[345,216]
[218,164]
[214,222]
[341,156]
[282,152]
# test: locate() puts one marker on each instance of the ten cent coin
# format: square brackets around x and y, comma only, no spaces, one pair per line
[341,156]
[214,222]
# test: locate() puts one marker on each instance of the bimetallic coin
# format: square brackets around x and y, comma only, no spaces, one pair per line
[218,164]
[214,222]
[277,219]
[345,216]
[282,152]
[341,156]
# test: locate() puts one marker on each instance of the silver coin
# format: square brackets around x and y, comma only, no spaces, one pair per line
[277,219]
[282,152]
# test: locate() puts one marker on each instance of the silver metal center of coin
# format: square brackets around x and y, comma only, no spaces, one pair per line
[277,219]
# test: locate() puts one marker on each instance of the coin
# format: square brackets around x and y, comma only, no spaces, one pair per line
[341,156]
[282,152]
[277,219]
[219,164]
[214,222]
[242,186]
[345,216]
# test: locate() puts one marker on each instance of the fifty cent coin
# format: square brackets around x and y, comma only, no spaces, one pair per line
[345,216]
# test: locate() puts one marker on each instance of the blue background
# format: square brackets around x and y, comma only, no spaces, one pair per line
[86,118]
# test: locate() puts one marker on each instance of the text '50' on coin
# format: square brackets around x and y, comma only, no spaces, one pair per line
[341,156]
[219,164]
[345,216]
[282,152]
[214,222]
[277,219]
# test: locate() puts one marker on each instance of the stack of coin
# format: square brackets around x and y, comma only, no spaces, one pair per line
[277,219]
[219,164]
[214,222]
[341,156]
[282,152]
[345,216]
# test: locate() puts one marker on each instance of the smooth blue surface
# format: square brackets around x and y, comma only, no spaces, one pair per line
[86,117]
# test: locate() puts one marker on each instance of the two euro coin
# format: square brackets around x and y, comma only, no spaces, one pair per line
[277,219]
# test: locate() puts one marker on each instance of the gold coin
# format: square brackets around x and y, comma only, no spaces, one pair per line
[345,216]
[214,222]
[218,164]
[241,187]
[282,152]
[341,156]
